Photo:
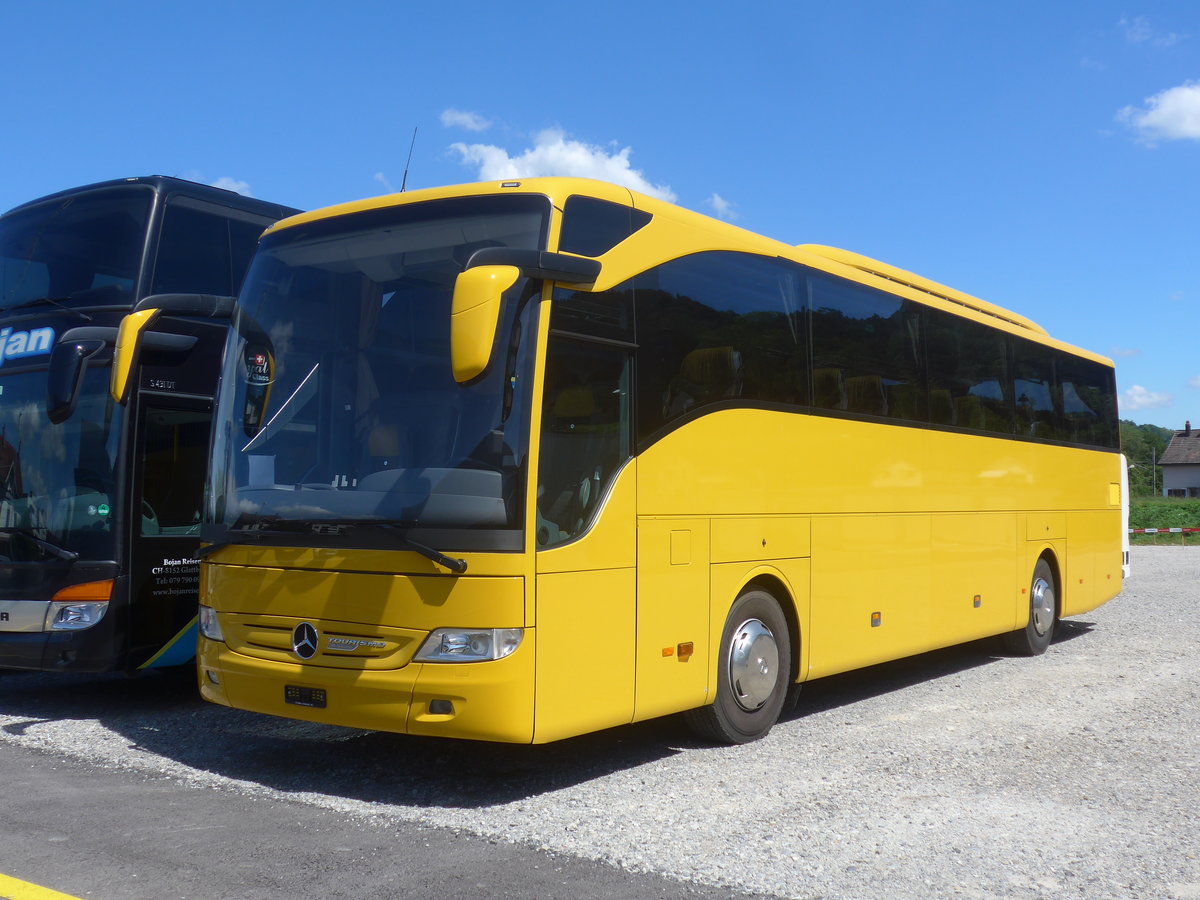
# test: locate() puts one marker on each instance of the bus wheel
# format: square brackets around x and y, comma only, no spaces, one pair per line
[753,672]
[1034,638]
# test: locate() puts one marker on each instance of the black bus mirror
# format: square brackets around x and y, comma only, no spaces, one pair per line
[200,306]
[64,380]
[129,339]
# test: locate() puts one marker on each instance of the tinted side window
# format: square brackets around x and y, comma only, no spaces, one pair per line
[1033,389]
[608,314]
[585,434]
[193,253]
[866,351]
[173,464]
[1088,401]
[243,240]
[592,227]
[969,385]
[717,327]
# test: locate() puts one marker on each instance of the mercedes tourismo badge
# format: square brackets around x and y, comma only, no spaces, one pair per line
[304,640]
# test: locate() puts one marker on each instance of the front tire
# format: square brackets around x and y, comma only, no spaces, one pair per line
[1035,637]
[753,673]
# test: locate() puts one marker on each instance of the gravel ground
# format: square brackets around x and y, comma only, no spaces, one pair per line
[960,773]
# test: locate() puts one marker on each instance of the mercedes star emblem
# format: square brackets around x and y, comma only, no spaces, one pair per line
[304,640]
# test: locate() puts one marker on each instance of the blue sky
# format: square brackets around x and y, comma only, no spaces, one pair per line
[1040,155]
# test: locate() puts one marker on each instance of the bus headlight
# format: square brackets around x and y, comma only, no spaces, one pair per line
[209,626]
[457,645]
[64,616]
[78,606]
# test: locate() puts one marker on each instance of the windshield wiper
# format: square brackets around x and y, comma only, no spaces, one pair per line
[236,536]
[60,302]
[48,546]
[457,566]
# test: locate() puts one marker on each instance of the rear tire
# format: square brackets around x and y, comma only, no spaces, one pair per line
[753,673]
[1035,637]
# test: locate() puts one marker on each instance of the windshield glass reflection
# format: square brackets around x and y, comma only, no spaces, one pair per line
[83,250]
[344,407]
[57,482]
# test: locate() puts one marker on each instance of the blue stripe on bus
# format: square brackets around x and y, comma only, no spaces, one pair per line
[180,650]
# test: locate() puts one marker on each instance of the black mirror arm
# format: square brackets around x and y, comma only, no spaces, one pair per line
[207,306]
[539,264]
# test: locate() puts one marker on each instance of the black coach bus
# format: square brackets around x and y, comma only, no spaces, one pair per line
[100,500]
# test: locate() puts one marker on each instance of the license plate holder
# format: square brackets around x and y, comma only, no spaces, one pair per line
[296,695]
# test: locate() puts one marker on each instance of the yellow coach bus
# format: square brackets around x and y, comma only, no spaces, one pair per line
[518,461]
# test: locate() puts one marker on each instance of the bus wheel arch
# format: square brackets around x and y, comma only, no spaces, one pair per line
[754,669]
[1044,609]
[776,587]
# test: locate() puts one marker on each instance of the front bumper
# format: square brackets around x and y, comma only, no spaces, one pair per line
[490,701]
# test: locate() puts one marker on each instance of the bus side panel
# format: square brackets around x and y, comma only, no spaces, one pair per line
[584,619]
[1094,574]
[976,559]
[672,611]
[585,656]
[870,589]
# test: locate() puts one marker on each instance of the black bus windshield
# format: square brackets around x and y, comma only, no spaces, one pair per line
[344,405]
[81,250]
[57,482]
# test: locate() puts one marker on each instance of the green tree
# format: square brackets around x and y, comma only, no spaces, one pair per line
[1142,446]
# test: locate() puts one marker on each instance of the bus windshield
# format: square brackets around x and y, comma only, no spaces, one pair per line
[58,480]
[81,250]
[345,410]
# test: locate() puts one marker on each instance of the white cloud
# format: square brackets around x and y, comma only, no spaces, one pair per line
[1194,382]
[554,154]
[722,207]
[1139,31]
[1137,397]
[1173,114]
[458,118]
[232,184]
[383,179]
[1123,352]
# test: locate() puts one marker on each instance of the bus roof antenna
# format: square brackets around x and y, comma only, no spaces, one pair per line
[404,180]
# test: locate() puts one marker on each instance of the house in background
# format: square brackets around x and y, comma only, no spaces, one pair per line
[1181,464]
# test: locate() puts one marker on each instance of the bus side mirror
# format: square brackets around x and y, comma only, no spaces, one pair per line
[68,363]
[129,337]
[490,272]
[474,313]
[125,353]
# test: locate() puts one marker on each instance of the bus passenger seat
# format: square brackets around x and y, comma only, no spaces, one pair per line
[904,402]
[829,389]
[383,441]
[941,407]
[706,375]
[573,407]
[571,448]
[970,412]
[865,395]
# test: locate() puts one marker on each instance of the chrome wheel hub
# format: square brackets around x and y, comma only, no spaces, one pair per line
[1042,594]
[753,664]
